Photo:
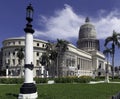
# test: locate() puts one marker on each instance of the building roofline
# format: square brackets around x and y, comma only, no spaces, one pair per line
[22,38]
[73,46]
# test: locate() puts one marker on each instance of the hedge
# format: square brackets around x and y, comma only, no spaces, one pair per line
[82,79]
[41,80]
[11,80]
[20,80]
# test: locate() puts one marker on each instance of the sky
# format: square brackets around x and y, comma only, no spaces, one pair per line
[60,19]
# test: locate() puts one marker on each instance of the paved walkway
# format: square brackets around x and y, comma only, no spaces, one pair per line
[91,82]
[96,82]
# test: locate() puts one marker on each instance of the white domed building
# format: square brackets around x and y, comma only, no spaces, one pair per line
[85,59]
[88,42]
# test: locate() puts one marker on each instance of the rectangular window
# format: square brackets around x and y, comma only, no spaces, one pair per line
[13,61]
[13,43]
[19,42]
[37,62]
[37,44]
[13,53]
[37,53]
[9,54]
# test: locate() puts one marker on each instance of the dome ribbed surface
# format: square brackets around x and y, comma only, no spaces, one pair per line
[87,30]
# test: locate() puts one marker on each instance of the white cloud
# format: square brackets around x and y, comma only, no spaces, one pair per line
[65,24]
[105,25]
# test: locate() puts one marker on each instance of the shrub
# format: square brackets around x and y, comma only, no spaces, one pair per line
[99,78]
[85,79]
[11,80]
[40,80]
[63,80]
[21,80]
[82,79]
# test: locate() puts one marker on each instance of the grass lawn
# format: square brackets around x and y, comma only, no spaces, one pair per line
[65,91]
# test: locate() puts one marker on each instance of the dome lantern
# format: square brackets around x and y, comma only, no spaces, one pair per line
[87,19]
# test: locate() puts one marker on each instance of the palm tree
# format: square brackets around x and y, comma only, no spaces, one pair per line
[53,53]
[47,56]
[20,55]
[49,47]
[50,51]
[106,52]
[61,47]
[44,60]
[53,58]
[114,39]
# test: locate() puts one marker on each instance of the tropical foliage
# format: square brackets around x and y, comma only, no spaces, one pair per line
[106,52]
[54,51]
[20,55]
[61,48]
[44,60]
[113,41]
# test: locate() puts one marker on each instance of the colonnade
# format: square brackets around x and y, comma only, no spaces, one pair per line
[84,64]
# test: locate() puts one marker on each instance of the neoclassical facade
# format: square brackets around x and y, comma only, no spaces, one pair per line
[85,59]
[10,54]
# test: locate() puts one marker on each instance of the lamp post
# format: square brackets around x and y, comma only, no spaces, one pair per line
[28,90]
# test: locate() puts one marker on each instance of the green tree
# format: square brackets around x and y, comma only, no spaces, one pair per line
[114,41]
[62,45]
[44,60]
[53,53]
[61,48]
[20,55]
[107,52]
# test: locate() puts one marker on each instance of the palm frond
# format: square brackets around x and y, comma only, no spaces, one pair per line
[107,40]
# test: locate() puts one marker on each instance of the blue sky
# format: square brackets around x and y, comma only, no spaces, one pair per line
[60,18]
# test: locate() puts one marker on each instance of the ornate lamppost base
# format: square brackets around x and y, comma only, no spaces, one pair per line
[28,91]
[28,96]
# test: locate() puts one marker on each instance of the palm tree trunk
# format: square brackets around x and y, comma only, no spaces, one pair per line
[57,66]
[107,71]
[21,71]
[113,67]
[113,47]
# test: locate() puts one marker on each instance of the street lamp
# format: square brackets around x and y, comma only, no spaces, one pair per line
[29,18]
[28,89]
[29,13]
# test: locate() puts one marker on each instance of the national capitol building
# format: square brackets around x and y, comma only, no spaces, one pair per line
[85,59]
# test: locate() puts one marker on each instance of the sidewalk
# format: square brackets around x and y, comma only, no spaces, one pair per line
[96,82]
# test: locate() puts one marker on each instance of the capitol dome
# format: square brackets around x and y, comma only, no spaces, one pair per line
[87,30]
[87,37]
